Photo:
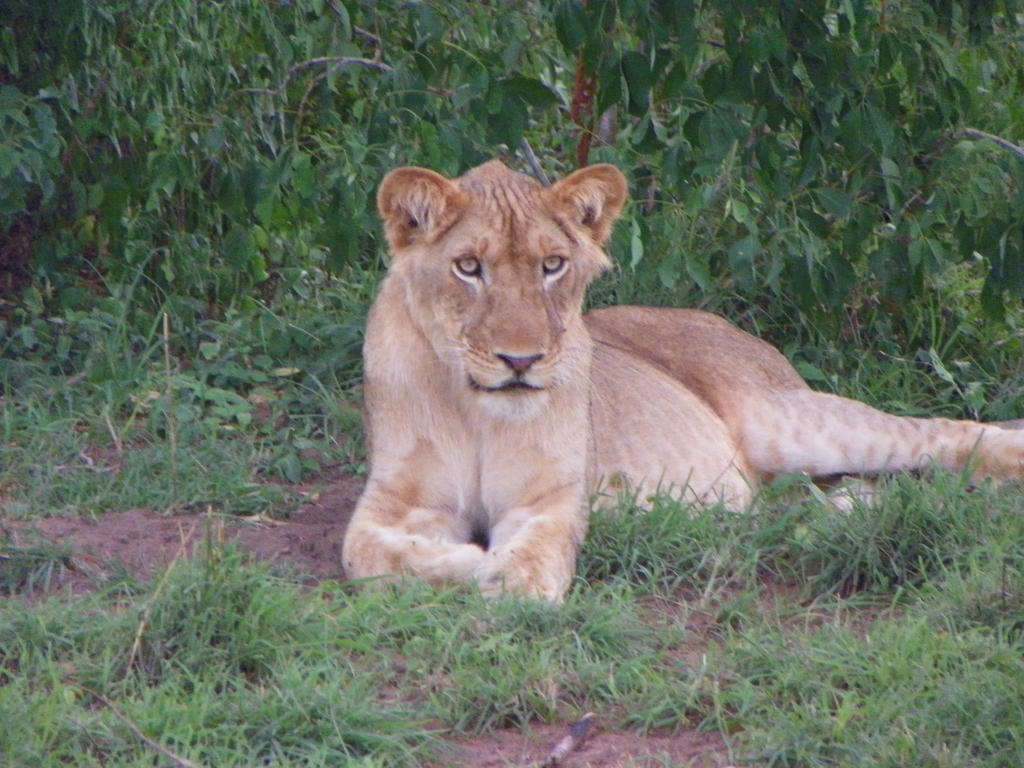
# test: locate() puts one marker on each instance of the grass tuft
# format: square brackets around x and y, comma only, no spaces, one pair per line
[904,693]
[911,530]
[668,545]
[26,569]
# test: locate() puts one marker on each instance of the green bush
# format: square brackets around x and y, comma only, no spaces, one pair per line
[814,168]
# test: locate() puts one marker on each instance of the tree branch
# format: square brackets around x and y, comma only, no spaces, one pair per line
[1009,146]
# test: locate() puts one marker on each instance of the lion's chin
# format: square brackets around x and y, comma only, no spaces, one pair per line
[512,403]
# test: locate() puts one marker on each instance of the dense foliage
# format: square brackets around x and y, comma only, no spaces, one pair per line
[820,167]
[796,148]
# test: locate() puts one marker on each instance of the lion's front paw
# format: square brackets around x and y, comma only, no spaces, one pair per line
[504,573]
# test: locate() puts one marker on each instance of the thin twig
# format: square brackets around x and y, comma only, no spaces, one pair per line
[333,63]
[173,757]
[172,430]
[574,740]
[113,432]
[336,63]
[533,162]
[365,34]
[1009,146]
[137,644]
[87,467]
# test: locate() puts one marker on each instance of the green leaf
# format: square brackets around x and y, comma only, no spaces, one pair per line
[699,271]
[889,169]
[668,272]
[636,244]
[810,372]
[609,86]
[507,125]
[834,201]
[741,213]
[344,20]
[239,248]
[209,349]
[636,71]
[719,132]
[940,370]
[883,129]
[741,260]
[429,26]
[289,467]
[892,179]
[529,90]
[304,177]
[571,25]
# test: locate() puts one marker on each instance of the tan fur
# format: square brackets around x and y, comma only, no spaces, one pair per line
[474,480]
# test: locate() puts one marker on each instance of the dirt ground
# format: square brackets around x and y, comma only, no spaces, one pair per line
[144,542]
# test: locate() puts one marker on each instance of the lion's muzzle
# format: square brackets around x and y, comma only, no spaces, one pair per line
[519,364]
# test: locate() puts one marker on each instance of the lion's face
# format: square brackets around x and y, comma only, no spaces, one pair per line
[495,268]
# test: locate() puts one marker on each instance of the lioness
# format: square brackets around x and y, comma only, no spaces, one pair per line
[494,406]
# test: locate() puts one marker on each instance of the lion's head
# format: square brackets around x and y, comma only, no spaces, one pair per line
[495,267]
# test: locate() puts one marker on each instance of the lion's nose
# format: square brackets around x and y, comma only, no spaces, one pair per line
[519,363]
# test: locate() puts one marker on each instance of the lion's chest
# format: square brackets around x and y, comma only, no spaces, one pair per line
[479,479]
[482,474]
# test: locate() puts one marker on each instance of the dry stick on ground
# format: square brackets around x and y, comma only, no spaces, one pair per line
[577,735]
[176,759]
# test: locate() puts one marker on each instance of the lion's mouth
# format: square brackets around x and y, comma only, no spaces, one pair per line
[512,385]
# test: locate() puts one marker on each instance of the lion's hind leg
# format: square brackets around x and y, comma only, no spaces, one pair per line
[821,434]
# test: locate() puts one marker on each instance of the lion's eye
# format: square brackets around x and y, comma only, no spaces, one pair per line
[554,266]
[467,268]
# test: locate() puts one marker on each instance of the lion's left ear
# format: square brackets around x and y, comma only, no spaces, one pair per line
[416,203]
[593,198]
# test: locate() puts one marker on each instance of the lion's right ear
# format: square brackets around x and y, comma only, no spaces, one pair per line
[415,203]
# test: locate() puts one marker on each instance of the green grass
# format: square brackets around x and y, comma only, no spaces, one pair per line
[907,692]
[909,654]
[225,664]
[27,568]
[180,420]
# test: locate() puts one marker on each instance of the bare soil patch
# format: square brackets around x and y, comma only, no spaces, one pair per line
[602,749]
[143,542]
